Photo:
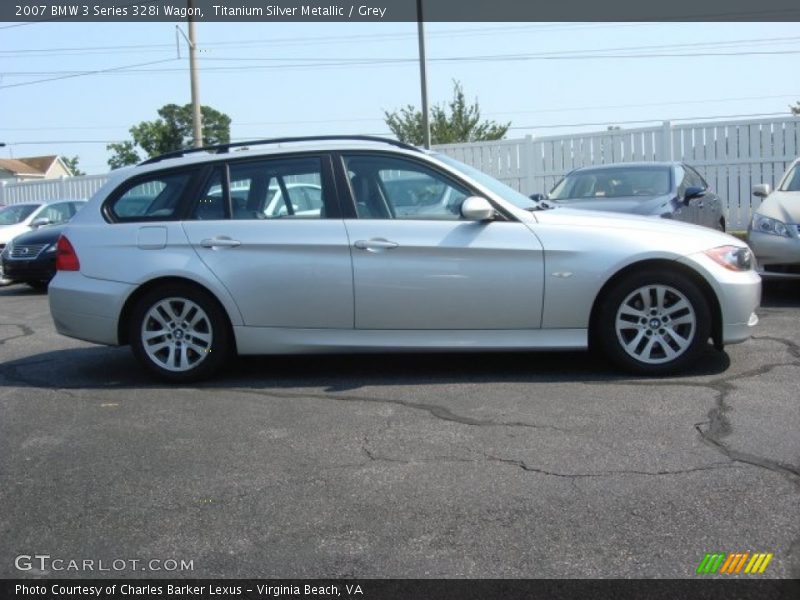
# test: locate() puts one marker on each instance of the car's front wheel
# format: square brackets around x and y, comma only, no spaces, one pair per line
[179,333]
[653,323]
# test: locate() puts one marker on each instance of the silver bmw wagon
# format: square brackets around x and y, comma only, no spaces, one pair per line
[360,244]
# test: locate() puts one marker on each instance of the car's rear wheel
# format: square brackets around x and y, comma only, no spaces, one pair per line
[653,323]
[180,333]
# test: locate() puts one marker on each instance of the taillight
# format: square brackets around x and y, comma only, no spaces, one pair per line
[66,258]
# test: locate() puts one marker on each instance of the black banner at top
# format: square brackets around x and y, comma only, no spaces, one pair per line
[396,10]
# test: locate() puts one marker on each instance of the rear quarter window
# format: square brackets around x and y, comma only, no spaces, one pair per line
[149,198]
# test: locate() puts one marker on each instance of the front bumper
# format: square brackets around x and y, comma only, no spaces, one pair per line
[29,270]
[777,256]
[738,294]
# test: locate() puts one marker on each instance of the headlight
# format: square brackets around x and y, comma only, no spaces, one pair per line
[50,248]
[733,258]
[764,224]
[7,250]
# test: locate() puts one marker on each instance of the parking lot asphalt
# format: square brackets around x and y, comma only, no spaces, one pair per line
[436,465]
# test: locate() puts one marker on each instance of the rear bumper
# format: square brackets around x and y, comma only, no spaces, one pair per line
[86,308]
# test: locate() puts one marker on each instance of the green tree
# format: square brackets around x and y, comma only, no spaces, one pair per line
[170,132]
[452,123]
[72,165]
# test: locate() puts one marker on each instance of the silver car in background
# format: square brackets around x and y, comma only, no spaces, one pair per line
[774,230]
[409,251]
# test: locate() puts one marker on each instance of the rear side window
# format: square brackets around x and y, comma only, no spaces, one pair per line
[150,199]
[283,188]
[277,189]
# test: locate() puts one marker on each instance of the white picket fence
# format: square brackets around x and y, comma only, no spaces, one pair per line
[44,190]
[732,156]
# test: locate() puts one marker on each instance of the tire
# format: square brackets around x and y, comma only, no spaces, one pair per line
[653,324]
[39,286]
[180,333]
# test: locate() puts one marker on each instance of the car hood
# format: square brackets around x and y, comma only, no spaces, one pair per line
[676,236]
[784,206]
[8,232]
[43,235]
[636,205]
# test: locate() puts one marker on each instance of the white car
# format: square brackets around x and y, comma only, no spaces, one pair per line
[16,219]
[446,259]
[774,231]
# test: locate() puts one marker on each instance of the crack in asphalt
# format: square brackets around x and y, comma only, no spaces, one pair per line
[24,329]
[435,410]
[718,424]
[525,467]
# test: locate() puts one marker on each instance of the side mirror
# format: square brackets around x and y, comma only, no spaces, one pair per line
[40,222]
[538,197]
[476,208]
[693,192]
[762,190]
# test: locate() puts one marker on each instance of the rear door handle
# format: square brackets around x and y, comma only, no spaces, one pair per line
[220,242]
[375,244]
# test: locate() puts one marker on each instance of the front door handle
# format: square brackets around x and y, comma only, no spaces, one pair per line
[220,242]
[375,244]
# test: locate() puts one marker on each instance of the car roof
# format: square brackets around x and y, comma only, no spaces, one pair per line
[197,156]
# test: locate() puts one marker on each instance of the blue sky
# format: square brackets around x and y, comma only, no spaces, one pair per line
[252,72]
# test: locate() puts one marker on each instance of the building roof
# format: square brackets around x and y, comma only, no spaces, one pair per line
[35,166]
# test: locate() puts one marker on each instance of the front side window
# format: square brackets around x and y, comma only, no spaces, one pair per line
[695,179]
[386,187]
[11,215]
[155,198]
[792,181]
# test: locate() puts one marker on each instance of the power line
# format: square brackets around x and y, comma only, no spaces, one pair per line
[356,38]
[73,74]
[493,113]
[548,126]
[379,62]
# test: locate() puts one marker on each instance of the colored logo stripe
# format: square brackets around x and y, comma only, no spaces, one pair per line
[734,562]
[710,563]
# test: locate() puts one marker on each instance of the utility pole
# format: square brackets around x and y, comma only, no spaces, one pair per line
[197,118]
[426,122]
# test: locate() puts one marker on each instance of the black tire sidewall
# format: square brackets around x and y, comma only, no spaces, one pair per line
[221,335]
[606,328]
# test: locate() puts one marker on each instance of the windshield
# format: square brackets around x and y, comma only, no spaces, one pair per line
[11,215]
[613,183]
[498,187]
[792,181]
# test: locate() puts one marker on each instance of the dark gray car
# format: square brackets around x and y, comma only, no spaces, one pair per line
[668,190]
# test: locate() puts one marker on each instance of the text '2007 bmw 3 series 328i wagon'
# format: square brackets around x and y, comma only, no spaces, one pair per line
[357,244]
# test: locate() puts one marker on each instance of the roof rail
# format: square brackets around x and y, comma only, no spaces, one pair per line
[224,148]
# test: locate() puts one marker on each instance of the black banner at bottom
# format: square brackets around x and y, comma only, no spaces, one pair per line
[406,589]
